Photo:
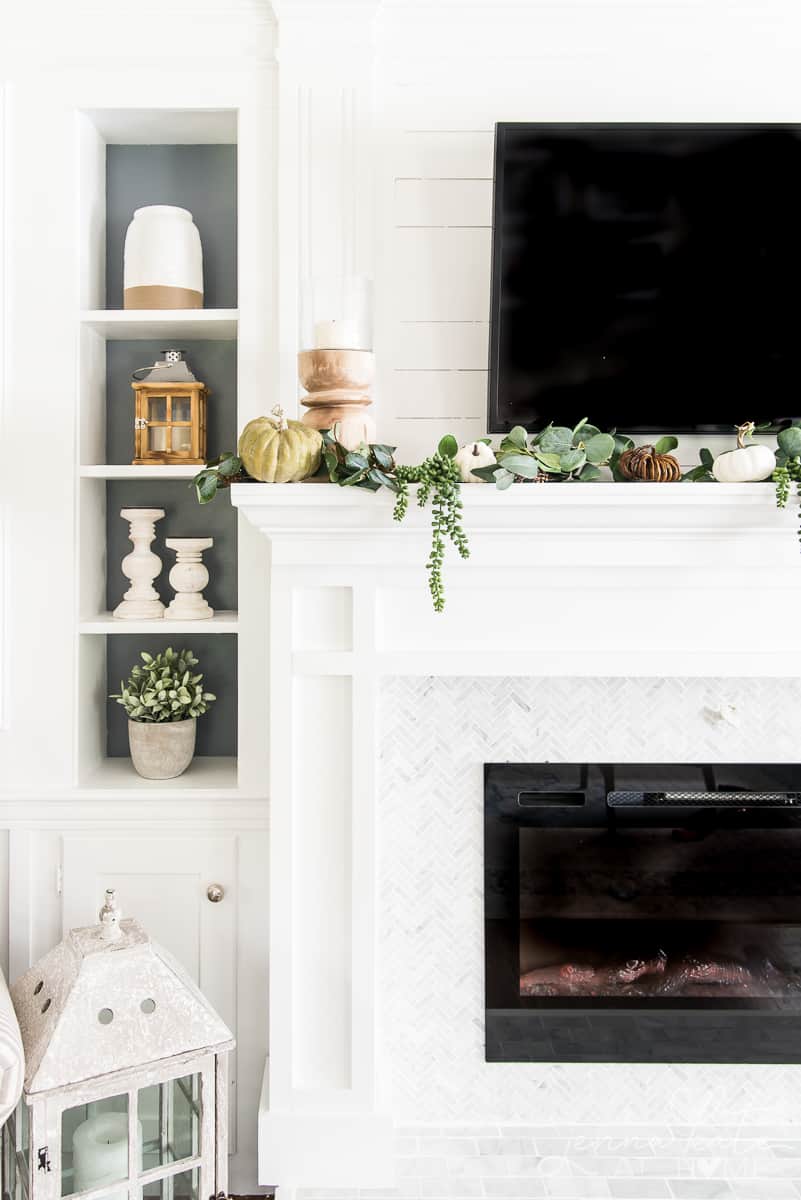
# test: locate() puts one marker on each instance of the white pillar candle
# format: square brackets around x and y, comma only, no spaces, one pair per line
[100,1151]
[336,335]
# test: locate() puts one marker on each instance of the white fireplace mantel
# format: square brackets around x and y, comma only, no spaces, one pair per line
[596,580]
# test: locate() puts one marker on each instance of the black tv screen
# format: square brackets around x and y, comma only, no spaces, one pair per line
[645,276]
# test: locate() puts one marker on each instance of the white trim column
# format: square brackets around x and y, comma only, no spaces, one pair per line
[326,61]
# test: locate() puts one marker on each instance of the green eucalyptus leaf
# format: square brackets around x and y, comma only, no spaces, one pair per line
[504,479]
[487,473]
[383,457]
[585,432]
[521,464]
[518,437]
[666,444]
[556,439]
[589,473]
[572,460]
[599,449]
[356,462]
[790,441]
[230,465]
[549,462]
[448,446]
[206,486]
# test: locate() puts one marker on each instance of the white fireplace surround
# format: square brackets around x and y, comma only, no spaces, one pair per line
[565,583]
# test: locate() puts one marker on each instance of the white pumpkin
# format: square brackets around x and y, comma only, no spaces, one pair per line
[474,454]
[746,464]
[354,431]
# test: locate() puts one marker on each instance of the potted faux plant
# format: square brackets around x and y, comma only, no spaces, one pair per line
[163,699]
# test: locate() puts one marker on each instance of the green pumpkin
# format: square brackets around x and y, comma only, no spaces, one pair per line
[275,450]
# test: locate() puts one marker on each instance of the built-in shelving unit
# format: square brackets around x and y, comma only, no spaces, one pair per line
[129,158]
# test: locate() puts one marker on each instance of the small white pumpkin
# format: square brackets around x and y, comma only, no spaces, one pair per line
[474,454]
[354,431]
[746,464]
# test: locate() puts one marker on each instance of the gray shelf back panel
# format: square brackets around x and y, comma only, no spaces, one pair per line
[184,517]
[199,178]
[214,363]
[216,731]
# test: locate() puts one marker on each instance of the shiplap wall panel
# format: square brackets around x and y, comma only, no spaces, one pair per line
[442,274]
[450,395]
[460,202]
[440,345]
[443,154]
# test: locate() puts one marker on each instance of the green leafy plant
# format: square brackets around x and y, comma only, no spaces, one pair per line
[218,473]
[374,467]
[788,465]
[703,472]
[164,688]
[556,452]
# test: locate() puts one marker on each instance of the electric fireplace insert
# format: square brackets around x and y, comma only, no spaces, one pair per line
[642,912]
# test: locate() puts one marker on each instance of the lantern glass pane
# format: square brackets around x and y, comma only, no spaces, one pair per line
[24,1138]
[157,437]
[157,408]
[94,1145]
[178,1187]
[169,1114]
[181,408]
[181,439]
[9,1181]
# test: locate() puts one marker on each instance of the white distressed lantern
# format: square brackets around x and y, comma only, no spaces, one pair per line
[126,1084]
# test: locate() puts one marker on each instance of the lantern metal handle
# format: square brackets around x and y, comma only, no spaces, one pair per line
[215,892]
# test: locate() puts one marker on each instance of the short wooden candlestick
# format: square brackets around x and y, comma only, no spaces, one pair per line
[141,566]
[337,383]
[189,576]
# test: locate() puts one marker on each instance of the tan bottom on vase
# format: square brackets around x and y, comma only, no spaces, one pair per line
[161,296]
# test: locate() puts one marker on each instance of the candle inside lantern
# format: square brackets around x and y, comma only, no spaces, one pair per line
[100,1152]
[336,335]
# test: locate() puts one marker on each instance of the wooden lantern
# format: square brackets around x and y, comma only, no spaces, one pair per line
[126,1083]
[170,423]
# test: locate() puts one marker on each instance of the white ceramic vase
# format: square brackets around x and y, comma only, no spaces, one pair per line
[163,259]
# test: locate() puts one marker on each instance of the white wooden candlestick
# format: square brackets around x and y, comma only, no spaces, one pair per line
[189,576]
[141,566]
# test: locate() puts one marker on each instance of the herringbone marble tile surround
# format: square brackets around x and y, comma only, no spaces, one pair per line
[471,1129]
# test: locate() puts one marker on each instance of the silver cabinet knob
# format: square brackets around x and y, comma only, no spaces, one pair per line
[215,892]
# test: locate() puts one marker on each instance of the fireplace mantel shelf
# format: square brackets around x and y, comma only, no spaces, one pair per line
[744,512]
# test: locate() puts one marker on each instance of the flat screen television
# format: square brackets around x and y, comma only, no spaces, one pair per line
[645,276]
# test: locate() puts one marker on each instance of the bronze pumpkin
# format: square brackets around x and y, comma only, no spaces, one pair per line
[643,463]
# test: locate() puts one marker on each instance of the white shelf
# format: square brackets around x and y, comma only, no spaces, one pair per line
[127,471]
[223,621]
[203,774]
[219,324]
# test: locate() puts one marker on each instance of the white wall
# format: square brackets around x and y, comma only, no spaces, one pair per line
[446,73]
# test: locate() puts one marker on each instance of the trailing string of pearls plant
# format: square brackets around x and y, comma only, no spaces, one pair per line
[272,449]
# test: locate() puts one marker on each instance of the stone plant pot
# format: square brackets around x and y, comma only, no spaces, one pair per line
[162,751]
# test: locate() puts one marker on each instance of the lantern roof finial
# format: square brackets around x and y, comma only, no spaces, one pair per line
[110,917]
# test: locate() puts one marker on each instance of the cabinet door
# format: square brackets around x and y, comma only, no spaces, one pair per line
[162,880]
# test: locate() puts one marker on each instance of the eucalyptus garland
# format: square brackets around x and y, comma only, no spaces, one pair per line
[437,478]
[557,453]
[788,466]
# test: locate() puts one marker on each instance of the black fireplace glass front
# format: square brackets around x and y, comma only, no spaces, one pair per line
[643,912]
